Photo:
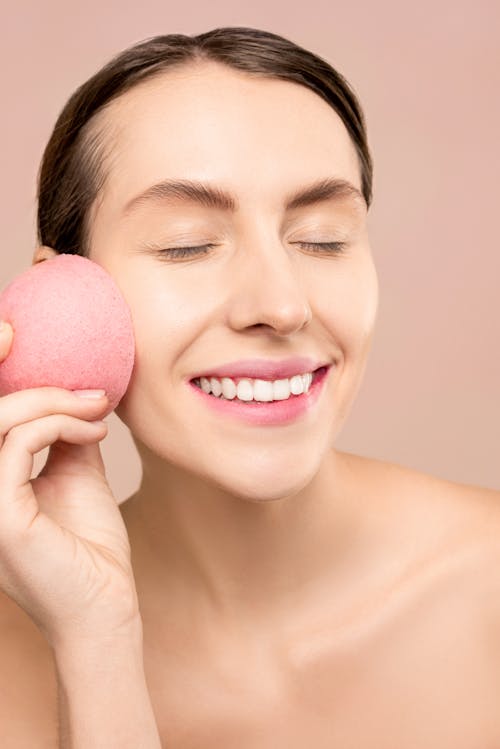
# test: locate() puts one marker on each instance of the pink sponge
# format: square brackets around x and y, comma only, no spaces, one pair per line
[72,329]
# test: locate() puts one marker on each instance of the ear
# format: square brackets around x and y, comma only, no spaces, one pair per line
[43,253]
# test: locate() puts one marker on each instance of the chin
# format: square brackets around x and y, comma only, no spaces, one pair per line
[267,486]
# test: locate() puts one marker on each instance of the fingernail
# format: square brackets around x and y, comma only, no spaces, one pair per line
[88,393]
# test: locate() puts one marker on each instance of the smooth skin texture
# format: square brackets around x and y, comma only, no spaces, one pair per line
[291,594]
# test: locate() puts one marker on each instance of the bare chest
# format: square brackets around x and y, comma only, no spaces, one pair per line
[419,672]
[417,667]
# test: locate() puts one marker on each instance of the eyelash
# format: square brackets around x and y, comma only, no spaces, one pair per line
[334,247]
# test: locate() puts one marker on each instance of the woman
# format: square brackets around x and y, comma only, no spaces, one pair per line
[280,592]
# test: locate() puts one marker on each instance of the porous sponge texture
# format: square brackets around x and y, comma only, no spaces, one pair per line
[72,329]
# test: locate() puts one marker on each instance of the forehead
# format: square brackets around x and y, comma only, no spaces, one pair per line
[211,122]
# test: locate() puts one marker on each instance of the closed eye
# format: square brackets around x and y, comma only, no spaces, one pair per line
[333,247]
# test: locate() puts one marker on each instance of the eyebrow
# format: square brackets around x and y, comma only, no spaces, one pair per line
[212,196]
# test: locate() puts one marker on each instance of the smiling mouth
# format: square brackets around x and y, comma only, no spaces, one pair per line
[316,374]
[196,380]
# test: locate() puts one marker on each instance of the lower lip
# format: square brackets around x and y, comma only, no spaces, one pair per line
[275,412]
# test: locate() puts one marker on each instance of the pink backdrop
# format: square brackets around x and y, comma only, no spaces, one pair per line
[428,77]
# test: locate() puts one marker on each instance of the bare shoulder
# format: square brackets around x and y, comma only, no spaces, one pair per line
[441,623]
[451,505]
[28,686]
[459,522]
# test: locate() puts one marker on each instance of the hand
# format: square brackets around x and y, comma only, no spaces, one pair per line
[64,548]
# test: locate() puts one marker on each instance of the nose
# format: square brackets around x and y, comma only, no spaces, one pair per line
[268,290]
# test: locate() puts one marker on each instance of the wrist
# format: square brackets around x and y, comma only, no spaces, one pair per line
[103,694]
[95,645]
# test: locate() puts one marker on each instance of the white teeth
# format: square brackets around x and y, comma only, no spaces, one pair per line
[215,386]
[258,390]
[300,383]
[226,386]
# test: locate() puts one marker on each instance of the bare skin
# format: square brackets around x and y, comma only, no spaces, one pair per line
[291,594]
[408,627]
[413,648]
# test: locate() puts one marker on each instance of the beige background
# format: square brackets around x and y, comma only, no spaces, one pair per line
[428,77]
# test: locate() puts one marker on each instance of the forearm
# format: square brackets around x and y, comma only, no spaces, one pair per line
[103,700]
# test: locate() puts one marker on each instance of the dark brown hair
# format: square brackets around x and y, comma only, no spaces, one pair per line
[72,171]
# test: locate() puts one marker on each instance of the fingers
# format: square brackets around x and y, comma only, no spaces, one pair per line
[34,403]
[31,420]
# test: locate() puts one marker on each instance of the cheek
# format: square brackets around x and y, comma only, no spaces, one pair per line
[370,286]
[168,315]
[349,308]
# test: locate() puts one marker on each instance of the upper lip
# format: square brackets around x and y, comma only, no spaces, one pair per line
[264,369]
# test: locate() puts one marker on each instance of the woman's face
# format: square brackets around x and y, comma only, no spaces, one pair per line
[258,292]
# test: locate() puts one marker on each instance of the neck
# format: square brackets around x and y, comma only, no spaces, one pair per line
[194,546]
